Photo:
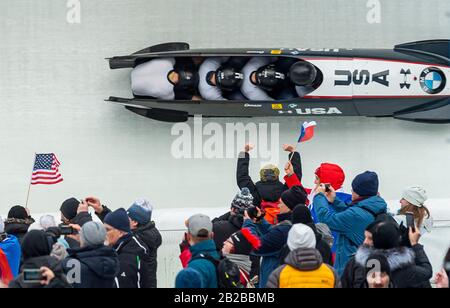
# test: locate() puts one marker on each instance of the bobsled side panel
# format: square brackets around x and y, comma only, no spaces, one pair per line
[172,46]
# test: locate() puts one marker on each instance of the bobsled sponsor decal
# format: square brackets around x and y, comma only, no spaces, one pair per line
[432,80]
[406,73]
[360,77]
[252,105]
[276,52]
[277,106]
[314,111]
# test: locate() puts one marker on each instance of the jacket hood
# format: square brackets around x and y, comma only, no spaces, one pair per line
[376,204]
[18,226]
[304,259]
[150,235]
[398,258]
[204,247]
[103,260]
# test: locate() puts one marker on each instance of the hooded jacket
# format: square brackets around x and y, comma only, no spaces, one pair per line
[205,267]
[410,267]
[18,227]
[304,268]
[224,226]
[12,251]
[349,221]
[98,266]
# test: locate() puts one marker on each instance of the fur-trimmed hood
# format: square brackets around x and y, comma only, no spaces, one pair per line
[398,258]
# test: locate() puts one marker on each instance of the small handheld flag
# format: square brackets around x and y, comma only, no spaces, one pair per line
[307,131]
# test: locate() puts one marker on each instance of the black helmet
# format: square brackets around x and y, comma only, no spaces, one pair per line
[269,78]
[303,73]
[228,78]
[188,79]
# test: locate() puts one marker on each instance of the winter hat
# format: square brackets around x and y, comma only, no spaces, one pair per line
[366,184]
[198,223]
[378,263]
[69,208]
[301,236]
[244,242]
[243,199]
[36,244]
[301,215]
[2,225]
[188,278]
[140,211]
[415,195]
[332,174]
[93,234]
[294,196]
[386,235]
[269,173]
[47,221]
[18,212]
[118,220]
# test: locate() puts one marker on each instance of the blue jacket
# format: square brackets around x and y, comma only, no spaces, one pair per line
[344,197]
[273,239]
[205,267]
[349,221]
[13,252]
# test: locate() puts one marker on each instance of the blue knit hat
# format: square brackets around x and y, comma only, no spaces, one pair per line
[366,184]
[118,220]
[140,211]
[188,278]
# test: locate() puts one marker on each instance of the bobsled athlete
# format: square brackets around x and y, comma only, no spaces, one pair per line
[305,78]
[166,78]
[260,77]
[218,79]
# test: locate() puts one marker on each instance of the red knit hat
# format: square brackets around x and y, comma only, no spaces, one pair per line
[332,174]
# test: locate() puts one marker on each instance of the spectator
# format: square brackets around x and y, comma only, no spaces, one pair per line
[302,215]
[36,249]
[413,201]
[18,222]
[237,249]
[378,273]
[231,222]
[132,252]
[351,220]
[11,252]
[442,276]
[203,249]
[273,238]
[74,212]
[188,278]
[98,264]
[5,270]
[267,191]
[304,267]
[410,267]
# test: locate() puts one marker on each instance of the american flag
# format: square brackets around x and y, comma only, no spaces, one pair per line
[45,170]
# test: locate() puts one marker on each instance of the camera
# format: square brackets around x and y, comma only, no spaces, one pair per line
[32,276]
[327,187]
[252,212]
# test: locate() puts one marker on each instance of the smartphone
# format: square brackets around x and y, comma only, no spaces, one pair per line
[327,187]
[32,276]
[410,221]
[3,237]
[66,230]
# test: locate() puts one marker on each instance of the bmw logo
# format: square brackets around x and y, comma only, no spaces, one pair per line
[432,80]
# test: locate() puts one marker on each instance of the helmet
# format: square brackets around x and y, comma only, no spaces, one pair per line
[303,73]
[269,78]
[188,79]
[228,78]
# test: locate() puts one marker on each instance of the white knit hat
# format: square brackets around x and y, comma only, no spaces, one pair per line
[415,195]
[301,236]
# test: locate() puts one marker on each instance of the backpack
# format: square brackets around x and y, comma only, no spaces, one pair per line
[228,273]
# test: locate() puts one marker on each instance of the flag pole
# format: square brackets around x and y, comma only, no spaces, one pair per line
[29,184]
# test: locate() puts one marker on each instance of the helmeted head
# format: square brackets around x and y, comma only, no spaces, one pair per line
[228,78]
[188,79]
[268,78]
[302,73]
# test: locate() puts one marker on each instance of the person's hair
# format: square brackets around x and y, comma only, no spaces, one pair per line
[201,236]
[420,213]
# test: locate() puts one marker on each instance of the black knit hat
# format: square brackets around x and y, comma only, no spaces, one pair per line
[18,212]
[69,208]
[301,215]
[386,235]
[36,244]
[244,242]
[294,196]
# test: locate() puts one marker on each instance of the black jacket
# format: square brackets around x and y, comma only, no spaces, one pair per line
[268,191]
[410,267]
[134,263]
[18,227]
[152,238]
[99,266]
[224,226]
[59,281]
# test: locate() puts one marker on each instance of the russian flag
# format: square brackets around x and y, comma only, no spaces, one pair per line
[307,131]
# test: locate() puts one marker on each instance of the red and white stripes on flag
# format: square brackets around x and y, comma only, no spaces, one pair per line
[45,170]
